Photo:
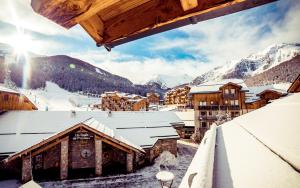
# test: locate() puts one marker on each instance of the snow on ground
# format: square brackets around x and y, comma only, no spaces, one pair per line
[54,98]
[144,177]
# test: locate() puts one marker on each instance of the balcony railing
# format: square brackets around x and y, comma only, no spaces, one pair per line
[230,96]
[205,118]
[219,107]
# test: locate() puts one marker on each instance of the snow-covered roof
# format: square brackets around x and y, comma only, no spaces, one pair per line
[187,117]
[5,89]
[109,132]
[21,129]
[252,93]
[258,149]
[214,86]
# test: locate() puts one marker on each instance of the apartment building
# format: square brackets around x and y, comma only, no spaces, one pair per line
[116,101]
[216,101]
[178,96]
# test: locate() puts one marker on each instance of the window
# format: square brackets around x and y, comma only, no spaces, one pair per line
[226,91]
[232,102]
[204,125]
[236,102]
[211,102]
[232,91]
[226,102]
[203,113]
[210,113]
[5,97]
[202,103]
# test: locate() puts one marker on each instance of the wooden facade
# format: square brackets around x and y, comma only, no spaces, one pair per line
[178,96]
[115,101]
[229,101]
[226,103]
[10,100]
[153,98]
[295,87]
[114,22]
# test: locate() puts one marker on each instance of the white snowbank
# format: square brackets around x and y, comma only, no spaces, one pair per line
[200,171]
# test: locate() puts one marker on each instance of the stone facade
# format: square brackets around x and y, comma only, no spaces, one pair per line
[26,168]
[98,157]
[160,146]
[64,146]
[129,161]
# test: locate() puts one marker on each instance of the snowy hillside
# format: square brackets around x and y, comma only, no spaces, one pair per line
[54,98]
[167,81]
[253,64]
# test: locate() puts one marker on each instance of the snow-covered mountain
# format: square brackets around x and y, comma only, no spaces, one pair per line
[168,81]
[252,65]
[54,98]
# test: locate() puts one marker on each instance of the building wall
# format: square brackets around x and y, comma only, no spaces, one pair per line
[153,99]
[12,101]
[208,106]
[163,145]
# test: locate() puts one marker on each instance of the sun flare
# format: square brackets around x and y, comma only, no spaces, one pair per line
[21,43]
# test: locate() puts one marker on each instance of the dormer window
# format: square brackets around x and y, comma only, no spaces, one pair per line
[232,91]
[226,91]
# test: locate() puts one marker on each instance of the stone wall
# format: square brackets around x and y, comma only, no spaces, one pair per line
[163,145]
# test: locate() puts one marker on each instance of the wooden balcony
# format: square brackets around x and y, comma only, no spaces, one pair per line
[230,96]
[219,107]
[207,118]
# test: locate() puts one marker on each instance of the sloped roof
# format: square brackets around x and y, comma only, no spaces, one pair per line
[188,118]
[258,149]
[214,86]
[252,94]
[21,129]
[5,89]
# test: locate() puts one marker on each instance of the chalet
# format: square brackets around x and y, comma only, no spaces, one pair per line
[14,100]
[153,98]
[295,87]
[82,144]
[217,100]
[187,127]
[258,97]
[116,101]
[178,96]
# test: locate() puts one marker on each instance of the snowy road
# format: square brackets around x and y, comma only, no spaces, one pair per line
[144,177]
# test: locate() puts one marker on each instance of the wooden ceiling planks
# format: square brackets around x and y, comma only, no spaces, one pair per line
[119,8]
[113,22]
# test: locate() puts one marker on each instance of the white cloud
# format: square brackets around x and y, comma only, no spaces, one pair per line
[140,70]
[233,37]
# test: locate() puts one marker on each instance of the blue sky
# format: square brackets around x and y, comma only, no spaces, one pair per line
[190,50]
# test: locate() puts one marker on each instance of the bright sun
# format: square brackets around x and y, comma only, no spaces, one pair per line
[21,42]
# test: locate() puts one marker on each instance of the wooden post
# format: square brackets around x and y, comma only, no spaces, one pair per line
[26,168]
[64,162]
[98,156]
[129,162]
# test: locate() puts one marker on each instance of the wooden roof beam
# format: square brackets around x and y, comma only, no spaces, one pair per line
[188,4]
[94,26]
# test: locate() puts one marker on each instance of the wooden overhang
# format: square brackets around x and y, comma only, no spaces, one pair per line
[295,87]
[114,22]
[57,138]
